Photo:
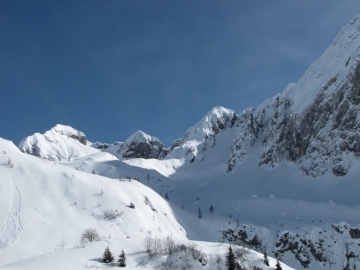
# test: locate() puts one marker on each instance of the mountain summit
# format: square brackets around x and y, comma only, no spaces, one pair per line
[61,143]
[313,123]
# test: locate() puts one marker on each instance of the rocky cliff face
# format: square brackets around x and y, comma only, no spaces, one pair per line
[315,122]
[330,247]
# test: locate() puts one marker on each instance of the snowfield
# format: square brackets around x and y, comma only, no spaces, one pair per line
[46,206]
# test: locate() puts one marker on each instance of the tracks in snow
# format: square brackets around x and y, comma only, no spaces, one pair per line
[12,228]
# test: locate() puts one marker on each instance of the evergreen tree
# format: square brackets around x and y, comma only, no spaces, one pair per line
[266,260]
[122,259]
[166,196]
[199,213]
[278,266]
[107,256]
[211,209]
[230,260]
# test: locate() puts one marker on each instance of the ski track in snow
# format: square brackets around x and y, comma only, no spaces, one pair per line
[12,227]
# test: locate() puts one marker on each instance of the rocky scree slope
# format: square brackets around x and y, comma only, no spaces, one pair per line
[315,122]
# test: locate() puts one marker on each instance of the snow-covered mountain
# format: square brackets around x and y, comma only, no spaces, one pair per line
[61,143]
[202,135]
[313,123]
[281,177]
[138,145]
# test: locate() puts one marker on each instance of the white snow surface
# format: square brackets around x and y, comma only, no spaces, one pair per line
[61,143]
[45,206]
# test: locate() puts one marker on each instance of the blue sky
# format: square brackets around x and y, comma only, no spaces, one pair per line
[109,68]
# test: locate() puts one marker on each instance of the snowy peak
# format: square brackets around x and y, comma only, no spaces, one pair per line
[212,123]
[140,136]
[61,143]
[69,132]
[142,145]
[315,122]
[336,63]
[203,134]
[138,145]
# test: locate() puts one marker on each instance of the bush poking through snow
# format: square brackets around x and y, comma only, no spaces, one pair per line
[132,206]
[111,214]
[146,200]
[89,235]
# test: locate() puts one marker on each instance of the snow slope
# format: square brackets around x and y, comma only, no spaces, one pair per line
[42,203]
[58,144]
[46,206]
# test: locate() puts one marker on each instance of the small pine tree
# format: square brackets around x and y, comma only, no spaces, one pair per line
[107,256]
[199,213]
[230,259]
[122,259]
[266,260]
[166,196]
[278,266]
[211,209]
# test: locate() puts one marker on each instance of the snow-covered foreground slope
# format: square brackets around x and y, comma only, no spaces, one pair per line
[43,203]
[45,207]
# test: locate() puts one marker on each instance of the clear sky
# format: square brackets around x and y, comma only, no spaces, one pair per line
[109,68]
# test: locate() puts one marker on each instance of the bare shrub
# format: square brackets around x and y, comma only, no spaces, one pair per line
[194,251]
[148,244]
[169,245]
[89,235]
[62,243]
[157,246]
